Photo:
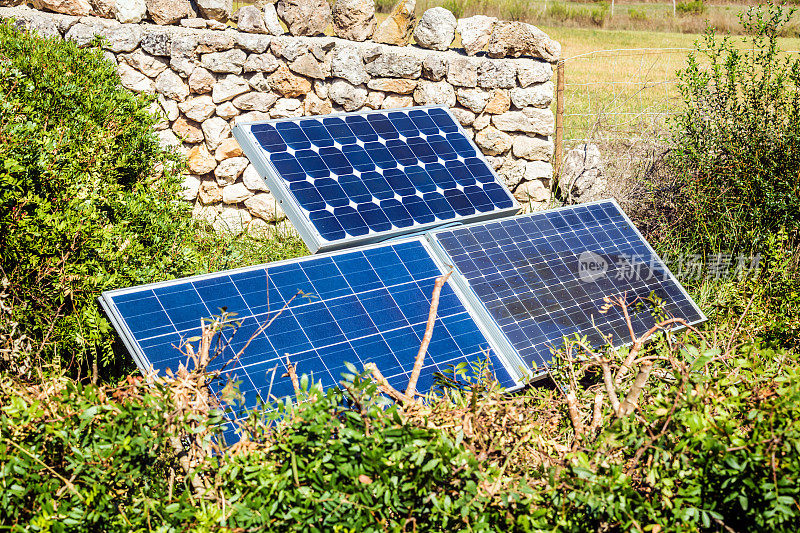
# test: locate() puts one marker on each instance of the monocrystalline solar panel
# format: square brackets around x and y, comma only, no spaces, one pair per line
[543,276]
[350,179]
[368,305]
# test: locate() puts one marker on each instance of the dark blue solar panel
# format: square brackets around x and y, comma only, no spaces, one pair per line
[371,305]
[544,275]
[418,158]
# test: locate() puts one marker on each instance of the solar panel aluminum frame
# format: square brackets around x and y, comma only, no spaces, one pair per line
[495,343]
[310,235]
[482,316]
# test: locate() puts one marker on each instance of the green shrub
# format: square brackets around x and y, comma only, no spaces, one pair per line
[737,141]
[563,12]
[693,7]
[639,15]
[88,198]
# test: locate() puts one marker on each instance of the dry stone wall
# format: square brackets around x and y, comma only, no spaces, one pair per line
[205,79]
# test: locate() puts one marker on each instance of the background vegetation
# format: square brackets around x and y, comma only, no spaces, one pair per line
[696,431]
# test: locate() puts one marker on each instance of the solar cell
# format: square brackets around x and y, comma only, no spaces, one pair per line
[369,305]
[542,276]
[351,179]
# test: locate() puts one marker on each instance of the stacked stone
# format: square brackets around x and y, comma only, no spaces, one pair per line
[204,80]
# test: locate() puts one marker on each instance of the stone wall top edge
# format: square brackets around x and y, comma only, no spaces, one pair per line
[28,14]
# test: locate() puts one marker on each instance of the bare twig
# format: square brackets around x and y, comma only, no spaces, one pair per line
[292,375]
[597,414]
[426,340]
[630,402]
[383,384]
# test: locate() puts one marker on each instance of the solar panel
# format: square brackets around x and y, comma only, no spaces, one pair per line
[357,178]
[369,305]
[542,276]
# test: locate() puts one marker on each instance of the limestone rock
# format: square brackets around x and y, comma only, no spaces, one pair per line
[251,20]
[232,221]
[287,108]
[171,85]
[78,8]
[216,25]
[396,29]
[475,33]
[462,72]
[264,206]
[346,63]
[227,149]
[167,139]
[515,39]
[190,187]
[195,23]
[532,191]
[198,109]
[228,171]
[287,83]
[375,99]
[165,12]
[492,141]
[534,96]
[210,192]
[436,29]
[122,38]
[314,105]
[305,17]
[581,178]
[497,75]
[188,130]
[538,170]
[134,80]
[434,67]
[148,65]
[250,42]
[227,111]
[482,121]
[160,44]
[201,81]
[43,25]
[354,19]
[130,11]
[307,65]
[214,42]
[216,9]
[236,193]
[499,102]
[255,101]
[346,95]
[393,101]
[392,85]
[272,21]
[215,130]
[473,99]
[391,64]
[229,88]
[230,61]
[435,93]
[533,148]
[104,8]
[261,63]
[199,160]
[81,34]
[512,172]
[170,107]
[529,120]
[258,82]
[464,116]
[253,181]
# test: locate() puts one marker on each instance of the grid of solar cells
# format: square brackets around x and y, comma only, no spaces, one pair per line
[371,305]
[544,276]
[362,174]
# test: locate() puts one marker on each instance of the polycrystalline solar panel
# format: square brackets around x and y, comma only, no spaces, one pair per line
[362,177]
[372,306]
[542,276]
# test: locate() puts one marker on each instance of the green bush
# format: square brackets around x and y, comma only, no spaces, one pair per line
[693,7]
[737,142]
[639,15]
[88,198]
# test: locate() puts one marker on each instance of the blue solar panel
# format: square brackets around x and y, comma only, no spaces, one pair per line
[544,275]
[356,178]
[370,305]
